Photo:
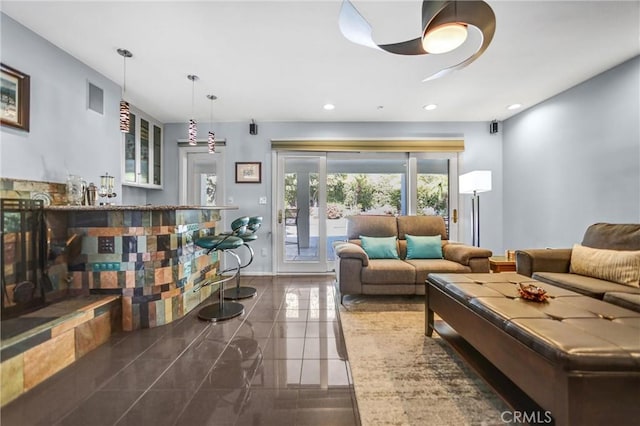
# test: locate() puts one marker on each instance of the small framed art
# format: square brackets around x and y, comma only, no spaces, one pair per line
[248,172]
[14,98]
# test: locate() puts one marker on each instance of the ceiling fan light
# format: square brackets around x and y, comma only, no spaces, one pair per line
[444,38]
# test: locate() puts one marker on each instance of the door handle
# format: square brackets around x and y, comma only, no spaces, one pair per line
[279,216]
[455,215]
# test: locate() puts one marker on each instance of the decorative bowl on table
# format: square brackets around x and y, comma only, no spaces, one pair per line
[532,292]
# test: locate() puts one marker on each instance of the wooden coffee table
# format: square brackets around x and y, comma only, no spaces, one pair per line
[501,264]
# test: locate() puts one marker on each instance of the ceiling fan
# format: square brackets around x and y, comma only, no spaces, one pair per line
[445,25]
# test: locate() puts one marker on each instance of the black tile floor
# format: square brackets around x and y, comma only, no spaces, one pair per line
[282,362]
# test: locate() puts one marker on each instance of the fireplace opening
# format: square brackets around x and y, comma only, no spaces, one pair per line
[23,258]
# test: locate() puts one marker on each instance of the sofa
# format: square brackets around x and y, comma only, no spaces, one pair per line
[605,266]
[359,273]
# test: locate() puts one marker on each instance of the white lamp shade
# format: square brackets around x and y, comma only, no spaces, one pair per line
[476,181]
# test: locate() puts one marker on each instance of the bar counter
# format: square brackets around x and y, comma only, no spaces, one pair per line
[145,254]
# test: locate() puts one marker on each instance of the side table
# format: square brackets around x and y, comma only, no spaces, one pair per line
[501,264]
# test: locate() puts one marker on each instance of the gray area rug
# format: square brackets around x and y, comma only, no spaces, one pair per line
[402,377]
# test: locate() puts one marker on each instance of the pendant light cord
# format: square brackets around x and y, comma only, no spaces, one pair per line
[124,75]
[211,114]
[193,87]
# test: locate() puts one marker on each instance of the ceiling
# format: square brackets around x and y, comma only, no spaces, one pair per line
[282,61]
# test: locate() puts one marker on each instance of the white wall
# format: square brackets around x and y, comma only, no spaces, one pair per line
[482,151]
[65,136]
[574,160]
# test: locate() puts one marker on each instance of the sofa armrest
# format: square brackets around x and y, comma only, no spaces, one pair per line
[542,260]
[351,251]
[463,253]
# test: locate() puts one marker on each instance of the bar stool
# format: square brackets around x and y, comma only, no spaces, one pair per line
[247,234]
[222,310]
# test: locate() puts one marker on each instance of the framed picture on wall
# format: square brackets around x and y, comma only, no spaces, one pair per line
[247,172]
[14,98]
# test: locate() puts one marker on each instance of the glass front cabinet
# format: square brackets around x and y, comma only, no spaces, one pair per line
[143,152]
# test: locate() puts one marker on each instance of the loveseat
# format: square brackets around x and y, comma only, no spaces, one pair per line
[605,266]
[357,272]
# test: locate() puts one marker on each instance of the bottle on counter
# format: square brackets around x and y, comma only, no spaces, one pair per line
[91,194]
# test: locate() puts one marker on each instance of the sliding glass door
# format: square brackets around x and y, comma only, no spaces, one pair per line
[315,192]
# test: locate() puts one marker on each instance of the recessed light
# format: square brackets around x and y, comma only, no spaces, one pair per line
[514,106]
[329,107]
[430,107]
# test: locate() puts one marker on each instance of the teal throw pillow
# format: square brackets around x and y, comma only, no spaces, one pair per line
[419,247]
[380,247]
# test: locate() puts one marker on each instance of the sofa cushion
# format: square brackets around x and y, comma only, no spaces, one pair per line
[619,266]
[424,267]
[588,286]
[421,225]
[380,247]
[424,247]
[613,236]
[372,226]
[388,271]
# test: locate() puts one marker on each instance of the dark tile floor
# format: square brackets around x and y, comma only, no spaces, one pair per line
[282,362]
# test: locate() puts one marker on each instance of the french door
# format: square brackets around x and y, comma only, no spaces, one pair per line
[315,192]
[300,219]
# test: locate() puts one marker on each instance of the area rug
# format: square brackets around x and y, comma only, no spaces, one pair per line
[402,377]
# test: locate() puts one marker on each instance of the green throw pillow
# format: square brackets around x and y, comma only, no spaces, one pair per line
[380,247]
[419,247]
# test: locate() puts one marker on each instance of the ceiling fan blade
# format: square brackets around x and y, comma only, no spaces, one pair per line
[409,47]
[431,8]
[354,27]
[357,30]
[477,15]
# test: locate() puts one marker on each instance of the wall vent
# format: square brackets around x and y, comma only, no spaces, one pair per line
[96,99]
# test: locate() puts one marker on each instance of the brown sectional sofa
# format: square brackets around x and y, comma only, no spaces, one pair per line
[553,266]
[356,273]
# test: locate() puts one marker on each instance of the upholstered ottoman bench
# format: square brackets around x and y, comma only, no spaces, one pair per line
[577,357]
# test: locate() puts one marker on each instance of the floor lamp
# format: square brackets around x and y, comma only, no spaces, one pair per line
[474,183]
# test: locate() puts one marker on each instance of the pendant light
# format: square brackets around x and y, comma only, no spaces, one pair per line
[211,140]
[193,129]
[124,105]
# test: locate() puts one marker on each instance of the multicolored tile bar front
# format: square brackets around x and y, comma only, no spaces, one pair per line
[145,254]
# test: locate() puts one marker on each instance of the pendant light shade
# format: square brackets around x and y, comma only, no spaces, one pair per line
[193,127]
[193,132]
[124,105]
[211,140]
[124,116]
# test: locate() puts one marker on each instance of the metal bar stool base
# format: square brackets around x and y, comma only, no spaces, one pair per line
[239,293]
[220,312]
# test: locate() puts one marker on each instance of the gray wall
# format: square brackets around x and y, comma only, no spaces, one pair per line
[65,136]
[574,160]
[482,151]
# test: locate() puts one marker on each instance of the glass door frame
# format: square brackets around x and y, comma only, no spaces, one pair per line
[280,263]
[412,180]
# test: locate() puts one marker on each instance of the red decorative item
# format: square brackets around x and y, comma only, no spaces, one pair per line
[533,292]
